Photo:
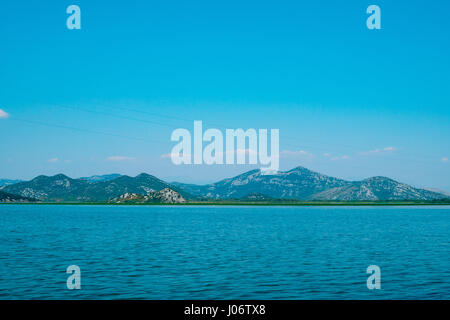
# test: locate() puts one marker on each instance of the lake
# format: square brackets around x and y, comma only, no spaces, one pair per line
[224,252]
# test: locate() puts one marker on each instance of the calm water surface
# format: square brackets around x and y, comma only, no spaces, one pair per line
[160,252]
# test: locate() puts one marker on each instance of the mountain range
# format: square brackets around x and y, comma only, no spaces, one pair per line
[100,178]
[296,184]
[61,188]
[303,184]
[7,182]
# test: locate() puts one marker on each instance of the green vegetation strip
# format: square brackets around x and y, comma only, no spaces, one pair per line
[256,203]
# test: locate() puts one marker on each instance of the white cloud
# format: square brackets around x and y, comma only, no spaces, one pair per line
[3,114]
[170,155]
[219,153]
[444,159]
[299,153]
[119,158]
[378,151]
[335,158]
[53,160]
[238,151]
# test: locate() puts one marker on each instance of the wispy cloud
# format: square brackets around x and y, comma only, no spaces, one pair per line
[297,153]
[378,151]
[170,155]
[3,114]
[220,153]
[238,151]
[444,159]
[119,158]
[53,160]
[335,158]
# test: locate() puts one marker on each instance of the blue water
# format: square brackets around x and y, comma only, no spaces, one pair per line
[160,252]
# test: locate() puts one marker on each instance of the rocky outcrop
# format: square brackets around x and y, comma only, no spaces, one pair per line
[12,198]
[165,195]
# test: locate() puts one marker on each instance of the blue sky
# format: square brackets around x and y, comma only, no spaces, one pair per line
[349,102]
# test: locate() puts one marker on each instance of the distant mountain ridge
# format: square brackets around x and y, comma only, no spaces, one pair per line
[296,184]
[61,188]
[7,182]
[303,184]
[438,191]
[100,178]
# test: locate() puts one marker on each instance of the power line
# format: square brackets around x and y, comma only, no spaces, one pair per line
[82,130]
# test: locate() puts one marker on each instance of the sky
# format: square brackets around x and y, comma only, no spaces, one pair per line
[349,102]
